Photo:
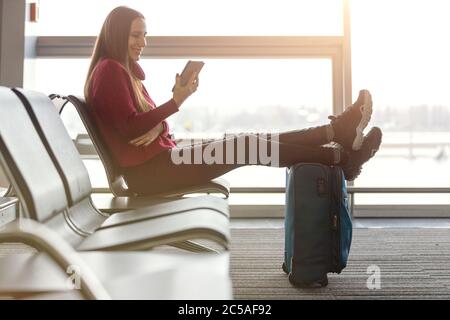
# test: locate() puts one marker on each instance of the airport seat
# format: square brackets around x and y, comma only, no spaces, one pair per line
[73,173]
[57,271]
[54,188]
[116,181]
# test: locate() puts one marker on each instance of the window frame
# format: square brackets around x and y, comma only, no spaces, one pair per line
[229,47]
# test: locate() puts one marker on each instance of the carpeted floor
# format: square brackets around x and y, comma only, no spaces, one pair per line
[413,264]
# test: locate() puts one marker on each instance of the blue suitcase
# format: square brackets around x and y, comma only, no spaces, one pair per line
[318,226]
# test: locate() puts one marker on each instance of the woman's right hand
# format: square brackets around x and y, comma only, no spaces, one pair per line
[148,137]
[180,92]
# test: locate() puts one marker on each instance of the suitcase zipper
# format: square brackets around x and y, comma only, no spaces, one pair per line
[337,216]
[336,198]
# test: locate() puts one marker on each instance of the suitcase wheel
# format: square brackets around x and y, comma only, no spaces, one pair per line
[285,268]
[314,284]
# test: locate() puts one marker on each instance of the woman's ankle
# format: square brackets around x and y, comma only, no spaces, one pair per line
[340,157]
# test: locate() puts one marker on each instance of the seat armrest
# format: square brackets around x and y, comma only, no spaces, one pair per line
[43,239]
[9,209]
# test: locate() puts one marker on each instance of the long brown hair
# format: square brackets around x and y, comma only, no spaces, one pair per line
[112,43]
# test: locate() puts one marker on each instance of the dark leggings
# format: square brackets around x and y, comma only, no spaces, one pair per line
[161,173]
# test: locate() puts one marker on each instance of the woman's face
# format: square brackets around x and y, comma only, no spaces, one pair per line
[136,39]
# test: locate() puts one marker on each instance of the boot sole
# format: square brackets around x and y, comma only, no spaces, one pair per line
[366,114]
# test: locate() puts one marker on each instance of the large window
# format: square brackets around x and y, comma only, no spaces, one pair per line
[290,91]
[398,51]
[235,95]
[401,53]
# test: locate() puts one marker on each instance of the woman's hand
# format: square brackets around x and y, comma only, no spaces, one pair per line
[148,137]
[181,93]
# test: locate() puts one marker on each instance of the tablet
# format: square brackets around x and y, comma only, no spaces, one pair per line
[189,69]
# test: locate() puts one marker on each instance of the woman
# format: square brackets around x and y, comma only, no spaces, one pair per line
[138,136]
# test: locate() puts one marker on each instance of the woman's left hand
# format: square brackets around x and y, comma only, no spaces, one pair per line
[148,137]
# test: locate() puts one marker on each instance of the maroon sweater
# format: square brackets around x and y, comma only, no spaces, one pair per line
[114,108]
